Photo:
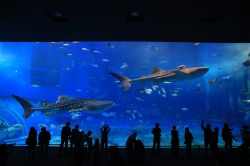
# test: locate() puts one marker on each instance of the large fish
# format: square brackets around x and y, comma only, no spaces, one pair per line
[65,104]
[160,75]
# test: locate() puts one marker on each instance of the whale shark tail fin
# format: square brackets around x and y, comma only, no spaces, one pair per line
[26,106]
[123,79]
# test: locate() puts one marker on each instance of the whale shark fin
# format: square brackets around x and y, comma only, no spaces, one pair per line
[156,70]
[62,99]
[26,106]
[123,79]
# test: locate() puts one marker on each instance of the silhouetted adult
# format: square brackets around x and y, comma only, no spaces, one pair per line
[130,145]
[31,142]
[207,134]
[44,138]
[104,139]
[214,140]
[65,136]
[80,140]
[79,150]
[89,143]
[188,141]
[227,137]
[74,136]
[157,138]
[97,154]
[174,141]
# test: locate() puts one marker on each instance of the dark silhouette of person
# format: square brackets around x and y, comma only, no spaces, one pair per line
[97,154]
[79,150]
[139,151]
[105,129]
[227,137]
[174,141]
[88,139]
[65,136]
[74,136]
[188,141]
[130,145]
[207,134]
[80,139]
[214,140]
[157,138]
[115,158]
[44,138]
[31,142]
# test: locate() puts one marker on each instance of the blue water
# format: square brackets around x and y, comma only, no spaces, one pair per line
[41,72]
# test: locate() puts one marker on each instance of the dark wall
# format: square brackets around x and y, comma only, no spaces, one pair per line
[140,20]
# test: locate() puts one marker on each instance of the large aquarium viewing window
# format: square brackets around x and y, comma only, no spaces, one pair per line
[128,85]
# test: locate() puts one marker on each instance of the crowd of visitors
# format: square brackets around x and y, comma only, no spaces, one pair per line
[83,146]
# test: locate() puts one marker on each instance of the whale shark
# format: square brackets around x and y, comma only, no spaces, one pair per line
[160,75]
[65,104]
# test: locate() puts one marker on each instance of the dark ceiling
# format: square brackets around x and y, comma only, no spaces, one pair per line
[125,20]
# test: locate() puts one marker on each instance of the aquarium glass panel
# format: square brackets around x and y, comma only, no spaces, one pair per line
[128,85]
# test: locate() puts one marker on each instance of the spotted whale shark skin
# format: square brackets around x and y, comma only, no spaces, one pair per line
[65,104]
[159,75]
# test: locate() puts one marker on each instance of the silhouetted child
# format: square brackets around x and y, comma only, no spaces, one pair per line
[207,134]
[44,138]
[174,142]
[130,146]
[188,141]
[157,138]
[74,136]
[89,143]
[104,138]
[31,142]
[65,136]
[97,151]
[227,137]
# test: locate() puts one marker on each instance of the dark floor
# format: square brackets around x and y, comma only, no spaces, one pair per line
[199,158]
